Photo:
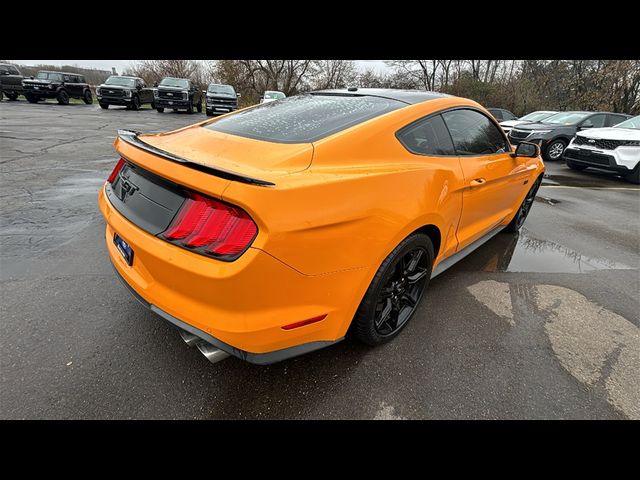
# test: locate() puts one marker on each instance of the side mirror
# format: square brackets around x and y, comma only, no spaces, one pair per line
[584,127]
[527,149]
[238,95]
[155,84]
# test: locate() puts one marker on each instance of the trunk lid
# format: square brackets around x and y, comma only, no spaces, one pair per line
[244,156]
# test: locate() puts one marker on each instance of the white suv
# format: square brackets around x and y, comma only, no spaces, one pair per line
[615,148]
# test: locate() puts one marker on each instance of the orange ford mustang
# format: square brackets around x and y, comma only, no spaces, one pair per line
[269,232]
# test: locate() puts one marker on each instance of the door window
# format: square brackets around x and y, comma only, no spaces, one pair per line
[427,137]
[473,133]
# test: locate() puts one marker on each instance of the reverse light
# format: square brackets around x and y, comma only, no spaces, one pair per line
[211,227]
[116,171]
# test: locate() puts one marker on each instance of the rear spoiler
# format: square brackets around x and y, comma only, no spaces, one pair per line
[132,138]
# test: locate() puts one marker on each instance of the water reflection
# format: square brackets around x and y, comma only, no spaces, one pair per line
[524,253]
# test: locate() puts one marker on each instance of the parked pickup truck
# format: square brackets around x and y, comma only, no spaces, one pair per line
[221,99]
[178,94]
[10,81]
[127,91]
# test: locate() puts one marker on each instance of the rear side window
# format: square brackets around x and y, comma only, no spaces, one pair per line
[473,133]
[427,137]
[614,120]
[303,118]
[596,121]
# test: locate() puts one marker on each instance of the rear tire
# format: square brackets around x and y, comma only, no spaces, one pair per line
[199,106]
[31,99]
[634,176]
[395,291]
[525,208]
[12,96]
[575,166]
[87,98]
[63,97]
[554,150]
[160,109]
[1,95]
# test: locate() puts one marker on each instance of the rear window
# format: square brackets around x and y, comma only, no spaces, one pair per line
[303,118]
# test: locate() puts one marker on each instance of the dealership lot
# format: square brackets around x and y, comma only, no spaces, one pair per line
[540,325]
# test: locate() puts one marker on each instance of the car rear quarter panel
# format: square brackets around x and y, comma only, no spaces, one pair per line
[363,194]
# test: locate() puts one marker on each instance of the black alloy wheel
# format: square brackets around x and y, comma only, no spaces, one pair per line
[63,97]
[395,291]
[525,207]
[398,299]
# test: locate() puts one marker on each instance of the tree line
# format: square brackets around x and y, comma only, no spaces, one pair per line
[521,86]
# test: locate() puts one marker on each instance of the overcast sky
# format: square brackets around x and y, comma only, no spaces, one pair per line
[376,65]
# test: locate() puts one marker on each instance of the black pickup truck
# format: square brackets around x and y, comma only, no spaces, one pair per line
[124,90]
[59,85]
[10,81]
[221,99]
[178,94]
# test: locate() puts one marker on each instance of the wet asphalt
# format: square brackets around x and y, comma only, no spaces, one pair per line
[544,324]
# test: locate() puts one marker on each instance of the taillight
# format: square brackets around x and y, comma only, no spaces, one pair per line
[212,228]
[116,171]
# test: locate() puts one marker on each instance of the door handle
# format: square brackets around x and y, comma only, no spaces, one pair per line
[477,181]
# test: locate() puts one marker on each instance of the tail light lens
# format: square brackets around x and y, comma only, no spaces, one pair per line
[212,228]
[116,171]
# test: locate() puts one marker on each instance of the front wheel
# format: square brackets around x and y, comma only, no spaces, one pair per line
[31,99]
[87,97]
[634,176]
[575,166]
[12,96]
[63,97]
[190,108]
[554,150]
[135,103]
[209,113]
[104,106]
[160,109]
[395,291]
[525,208]
[199,106]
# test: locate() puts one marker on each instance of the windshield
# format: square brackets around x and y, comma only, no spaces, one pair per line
[224,89]
[303,118]
[122,81]
[566,118]
[174,82]
[49,76]
[631,123]
[274,95]
[537,116]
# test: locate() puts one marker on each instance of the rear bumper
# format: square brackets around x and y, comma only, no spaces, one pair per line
[256,358]
[241,306]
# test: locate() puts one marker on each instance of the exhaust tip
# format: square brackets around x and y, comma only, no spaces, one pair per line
[189,338]
[213,354]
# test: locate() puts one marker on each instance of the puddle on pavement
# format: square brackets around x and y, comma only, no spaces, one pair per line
[523,253]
